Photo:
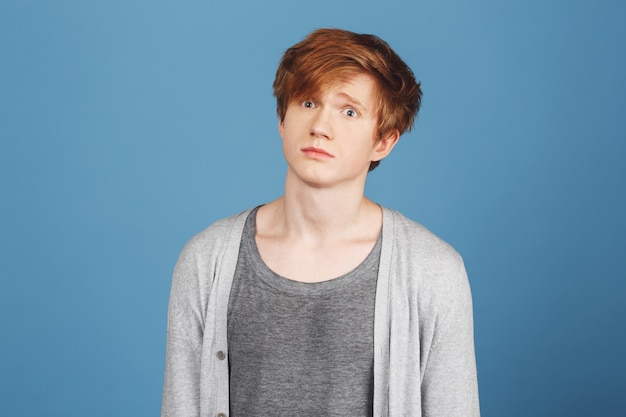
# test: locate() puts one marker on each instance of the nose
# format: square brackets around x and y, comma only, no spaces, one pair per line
[321,126]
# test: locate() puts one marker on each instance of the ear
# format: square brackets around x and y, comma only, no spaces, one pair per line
[281,127]
[384,145]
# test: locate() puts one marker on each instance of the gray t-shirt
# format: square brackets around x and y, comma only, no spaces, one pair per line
[300,349]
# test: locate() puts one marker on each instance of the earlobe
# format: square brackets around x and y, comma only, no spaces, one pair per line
[281,127]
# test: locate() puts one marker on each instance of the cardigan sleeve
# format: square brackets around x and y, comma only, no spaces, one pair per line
[197,321]
[449,381]
[181,388]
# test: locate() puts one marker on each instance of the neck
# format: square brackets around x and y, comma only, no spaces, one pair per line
[321,214]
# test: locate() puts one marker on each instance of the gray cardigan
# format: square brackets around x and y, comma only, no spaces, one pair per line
[424,362]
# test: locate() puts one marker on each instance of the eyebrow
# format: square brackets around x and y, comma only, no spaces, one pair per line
[354,101]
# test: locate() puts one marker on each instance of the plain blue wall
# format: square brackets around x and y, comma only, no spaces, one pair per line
[128,126]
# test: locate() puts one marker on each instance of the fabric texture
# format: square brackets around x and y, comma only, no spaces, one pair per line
[424,362]
[296,348]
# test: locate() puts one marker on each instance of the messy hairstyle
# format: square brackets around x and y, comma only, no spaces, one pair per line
[327,56]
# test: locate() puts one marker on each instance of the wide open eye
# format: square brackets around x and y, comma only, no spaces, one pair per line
[350,112]
[309,104]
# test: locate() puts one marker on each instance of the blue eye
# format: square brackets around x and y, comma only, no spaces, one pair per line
[351,113]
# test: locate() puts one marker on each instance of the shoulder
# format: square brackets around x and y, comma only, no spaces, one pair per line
[423,258]
[215,238]
[206,254]
[206,251]
[411,236]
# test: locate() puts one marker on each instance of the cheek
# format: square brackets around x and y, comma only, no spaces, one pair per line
[288,143]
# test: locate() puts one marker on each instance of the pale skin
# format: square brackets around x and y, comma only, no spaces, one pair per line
[323,226]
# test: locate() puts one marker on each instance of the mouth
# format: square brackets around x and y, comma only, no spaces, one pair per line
[316,153]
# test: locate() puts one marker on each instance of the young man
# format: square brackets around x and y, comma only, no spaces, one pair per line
[323,303]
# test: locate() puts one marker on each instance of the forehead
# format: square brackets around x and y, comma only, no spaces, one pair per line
[361,86]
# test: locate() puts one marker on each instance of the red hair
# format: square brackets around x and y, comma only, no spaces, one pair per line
[327,56]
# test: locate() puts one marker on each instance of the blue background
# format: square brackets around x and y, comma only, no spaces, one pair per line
[128,126]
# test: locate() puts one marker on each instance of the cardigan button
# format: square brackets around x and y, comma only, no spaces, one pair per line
[221,355]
